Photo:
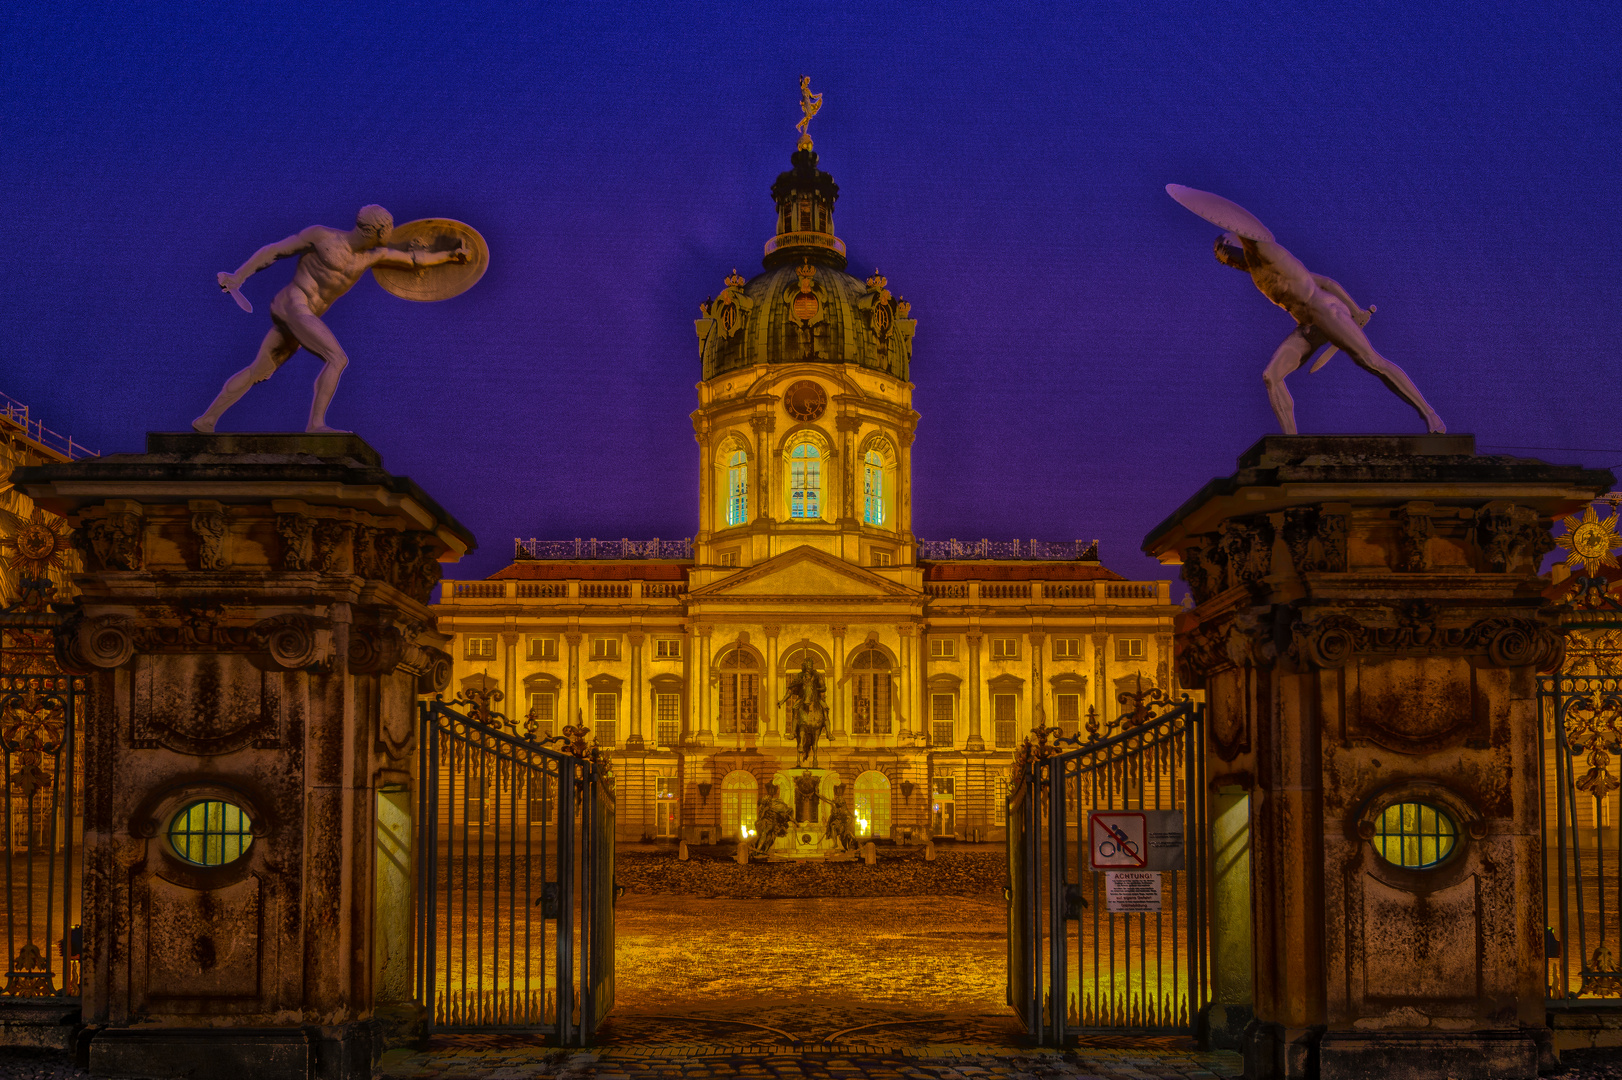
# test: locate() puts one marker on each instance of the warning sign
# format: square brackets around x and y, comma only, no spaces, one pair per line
[1118,838]
[1132,890]
[1135,839]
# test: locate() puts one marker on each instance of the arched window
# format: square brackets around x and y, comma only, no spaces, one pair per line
[872,810]
[738,804]
[740,693]
[873,488]
[738,488]
[872,693]
[805,481]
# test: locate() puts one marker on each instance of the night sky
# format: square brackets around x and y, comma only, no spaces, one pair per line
[1082,362]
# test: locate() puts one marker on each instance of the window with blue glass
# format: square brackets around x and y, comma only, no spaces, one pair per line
[805,482]
[738,488]
[873,487]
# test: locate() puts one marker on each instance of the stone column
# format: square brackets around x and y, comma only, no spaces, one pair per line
[850,474]
[1232,972]
[263,653]
[836,684]
[762,426]
[1367,633]
[1039,710]
[772,734]
[573,714]
[638,691]
[509,673]
[706,715]
[1101,700]
[971,691]
[904,693]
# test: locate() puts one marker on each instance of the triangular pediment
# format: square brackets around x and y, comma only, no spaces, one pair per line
[805,571]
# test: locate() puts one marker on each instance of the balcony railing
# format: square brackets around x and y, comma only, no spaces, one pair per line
[602,549]
[562,590]
[1072,550]
[15,412]
[1047,591]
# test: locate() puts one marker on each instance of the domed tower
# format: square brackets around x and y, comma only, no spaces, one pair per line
[805,420]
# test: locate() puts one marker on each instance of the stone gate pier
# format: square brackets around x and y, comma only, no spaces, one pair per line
[255,629]
[1367,633]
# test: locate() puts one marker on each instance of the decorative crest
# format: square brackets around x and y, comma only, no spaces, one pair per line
[878,282]
[810,104]
[805,272]
[735,280]
[1590,541]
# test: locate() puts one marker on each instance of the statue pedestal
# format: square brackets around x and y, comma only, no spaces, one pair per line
[1367,633]
[809,794]
[255,627]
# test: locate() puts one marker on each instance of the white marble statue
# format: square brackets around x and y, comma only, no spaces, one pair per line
[1325,314]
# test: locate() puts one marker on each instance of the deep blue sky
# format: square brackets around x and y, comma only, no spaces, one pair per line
[1082,362]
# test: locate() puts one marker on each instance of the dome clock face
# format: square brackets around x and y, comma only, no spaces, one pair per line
[805,401]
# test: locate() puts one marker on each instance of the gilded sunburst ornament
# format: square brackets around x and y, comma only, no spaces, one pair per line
[1590,541]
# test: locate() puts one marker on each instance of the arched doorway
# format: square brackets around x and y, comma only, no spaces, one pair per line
[872,809]
[738,796]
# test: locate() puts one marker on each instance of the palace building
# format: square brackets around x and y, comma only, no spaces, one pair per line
[938,657]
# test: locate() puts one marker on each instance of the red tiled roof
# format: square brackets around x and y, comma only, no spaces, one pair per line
[979,570]
[594,570]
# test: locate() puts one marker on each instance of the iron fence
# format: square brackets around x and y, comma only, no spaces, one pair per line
[41,748]
[1581,720]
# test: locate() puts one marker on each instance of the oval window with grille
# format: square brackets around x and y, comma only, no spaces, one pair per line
[1414,835]
[211,832]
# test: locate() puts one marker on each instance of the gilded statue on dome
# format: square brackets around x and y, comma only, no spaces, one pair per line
[810,104]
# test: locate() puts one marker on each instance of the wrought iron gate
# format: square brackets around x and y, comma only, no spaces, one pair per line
[1073,964]
[41,747]
[515,876]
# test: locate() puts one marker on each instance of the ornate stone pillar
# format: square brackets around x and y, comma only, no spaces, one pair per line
[1039,711]
[1101,699]
[836,679]
[763,426]
[638,691]
[1164,677]
[972,642]
[1370,676]
[848,426]
[262,656]
[574,714]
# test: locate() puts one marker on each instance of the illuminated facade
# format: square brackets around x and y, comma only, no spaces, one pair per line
[938,657]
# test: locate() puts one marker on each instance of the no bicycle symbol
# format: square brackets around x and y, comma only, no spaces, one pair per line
[1118,839]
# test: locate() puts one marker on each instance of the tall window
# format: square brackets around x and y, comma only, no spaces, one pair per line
[667,718]
[872,696]
[1069,713]
[941,719]
[738,488]
[540,794]
[805,482]
[1003,708]
[873,488]
[738,804]
[740,690]
[543,713]
[943,806]
[605,710]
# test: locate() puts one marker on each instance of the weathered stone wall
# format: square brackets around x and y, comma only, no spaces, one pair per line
[1368,630]
[255,627]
